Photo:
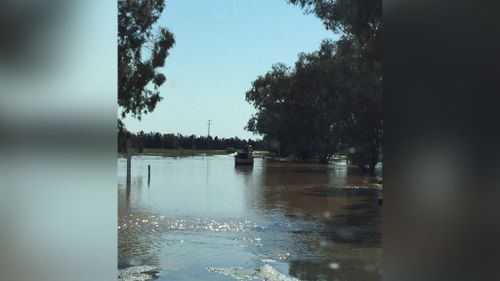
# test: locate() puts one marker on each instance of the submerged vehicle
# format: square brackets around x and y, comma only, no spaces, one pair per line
[244,157]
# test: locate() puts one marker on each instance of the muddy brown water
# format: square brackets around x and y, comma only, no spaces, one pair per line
[311,222]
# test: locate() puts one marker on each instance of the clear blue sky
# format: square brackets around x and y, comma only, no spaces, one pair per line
[221,47]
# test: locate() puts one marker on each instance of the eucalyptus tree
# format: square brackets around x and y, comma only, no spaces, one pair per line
[331,101]
[143,47]
[359,65]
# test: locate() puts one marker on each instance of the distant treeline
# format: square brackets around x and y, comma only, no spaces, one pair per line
[143,140]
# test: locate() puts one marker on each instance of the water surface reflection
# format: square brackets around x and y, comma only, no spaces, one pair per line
[312,222]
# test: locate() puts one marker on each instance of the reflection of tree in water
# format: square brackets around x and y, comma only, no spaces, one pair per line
[293,188]
[333,224]
[359,223]
[350,269]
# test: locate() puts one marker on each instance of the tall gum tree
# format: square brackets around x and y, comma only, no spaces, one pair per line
[142,50]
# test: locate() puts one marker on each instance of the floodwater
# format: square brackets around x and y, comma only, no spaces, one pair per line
[202,218]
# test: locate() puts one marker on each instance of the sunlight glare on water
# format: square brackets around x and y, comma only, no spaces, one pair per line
[202,218]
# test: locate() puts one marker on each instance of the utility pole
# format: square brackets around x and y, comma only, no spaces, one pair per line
[208,136]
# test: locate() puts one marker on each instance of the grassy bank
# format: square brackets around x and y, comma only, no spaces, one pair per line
[190,152]
[181,152]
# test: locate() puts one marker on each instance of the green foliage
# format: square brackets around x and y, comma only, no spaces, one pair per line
[357,20]
[361,18]
[153,140]
[295,105]
[331,101]
[142,50]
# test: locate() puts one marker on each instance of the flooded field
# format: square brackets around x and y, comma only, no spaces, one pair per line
[202,218]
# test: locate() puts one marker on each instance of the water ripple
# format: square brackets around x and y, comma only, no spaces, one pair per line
[155,223]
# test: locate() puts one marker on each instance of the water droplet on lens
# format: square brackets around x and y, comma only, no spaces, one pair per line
[334,265]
